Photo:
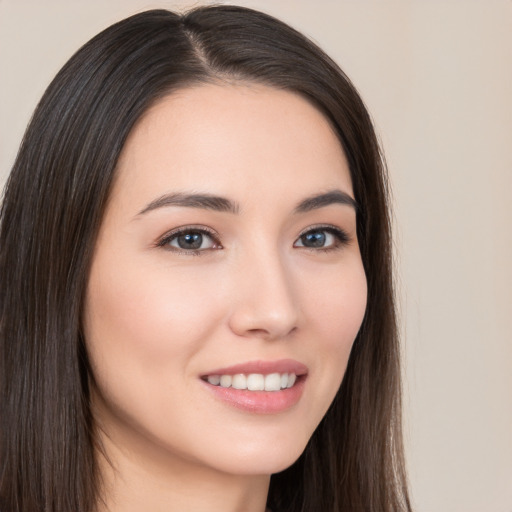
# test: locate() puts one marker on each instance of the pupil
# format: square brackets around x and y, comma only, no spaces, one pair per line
[190,241]
[314,239]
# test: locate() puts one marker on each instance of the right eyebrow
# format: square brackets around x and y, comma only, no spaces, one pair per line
[203,201]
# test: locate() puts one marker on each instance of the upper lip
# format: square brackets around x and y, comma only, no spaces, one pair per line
[263,367]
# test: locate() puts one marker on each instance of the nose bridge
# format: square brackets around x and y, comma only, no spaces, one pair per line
[265,304]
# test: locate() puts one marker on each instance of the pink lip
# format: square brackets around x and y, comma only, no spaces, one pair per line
[261,402]
[264,367]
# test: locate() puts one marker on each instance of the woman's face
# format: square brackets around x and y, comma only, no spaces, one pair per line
[227,254]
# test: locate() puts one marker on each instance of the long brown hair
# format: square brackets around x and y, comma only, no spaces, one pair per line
[53,205]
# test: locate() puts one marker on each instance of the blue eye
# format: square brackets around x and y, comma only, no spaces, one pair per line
[192,240]
[322,238]
[189,240]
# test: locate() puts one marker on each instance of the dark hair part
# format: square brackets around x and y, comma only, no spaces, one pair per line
[53,206]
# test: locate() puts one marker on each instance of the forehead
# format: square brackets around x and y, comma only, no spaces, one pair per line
[232,140]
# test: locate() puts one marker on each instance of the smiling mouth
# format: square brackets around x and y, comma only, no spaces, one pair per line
[253,381]
[261,387]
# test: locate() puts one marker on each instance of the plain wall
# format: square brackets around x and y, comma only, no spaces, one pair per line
[437,77]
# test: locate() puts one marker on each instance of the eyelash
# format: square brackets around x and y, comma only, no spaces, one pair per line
[341,239]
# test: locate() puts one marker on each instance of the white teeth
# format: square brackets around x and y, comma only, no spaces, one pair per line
[254,381]
[225,381]
[239,381]
[214,379]
[273,382]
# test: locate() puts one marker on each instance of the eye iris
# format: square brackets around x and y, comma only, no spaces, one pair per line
[314,239]
[190,241]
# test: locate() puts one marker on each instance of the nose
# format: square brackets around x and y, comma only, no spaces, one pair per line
[265,300]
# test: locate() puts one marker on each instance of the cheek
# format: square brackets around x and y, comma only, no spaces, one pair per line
[344,307]
[137,322]
[142,334]
[336,311]
[337,303]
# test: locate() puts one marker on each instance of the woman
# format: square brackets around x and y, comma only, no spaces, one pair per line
[196,304]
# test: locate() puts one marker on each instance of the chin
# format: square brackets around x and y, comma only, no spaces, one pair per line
[274,458]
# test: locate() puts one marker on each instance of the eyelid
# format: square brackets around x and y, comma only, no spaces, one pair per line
[320,227]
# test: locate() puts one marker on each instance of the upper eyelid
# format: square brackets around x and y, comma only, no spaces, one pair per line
[320,227]
[191,227]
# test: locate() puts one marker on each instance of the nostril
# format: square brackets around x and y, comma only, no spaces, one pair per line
[271,333]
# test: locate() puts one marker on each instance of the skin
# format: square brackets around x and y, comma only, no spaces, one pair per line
[157,318]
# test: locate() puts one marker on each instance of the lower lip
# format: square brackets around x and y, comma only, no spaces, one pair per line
[261,402]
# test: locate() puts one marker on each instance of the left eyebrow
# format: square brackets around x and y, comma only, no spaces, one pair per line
[326,199]
[221,204]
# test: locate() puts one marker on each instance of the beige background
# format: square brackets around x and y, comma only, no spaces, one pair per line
[437,76]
